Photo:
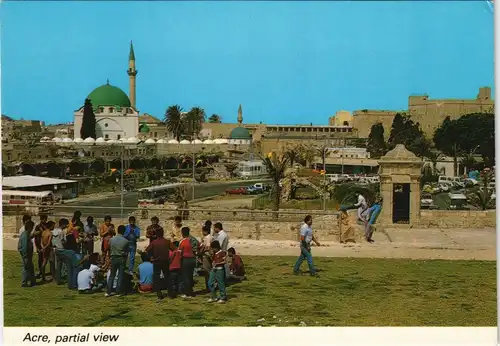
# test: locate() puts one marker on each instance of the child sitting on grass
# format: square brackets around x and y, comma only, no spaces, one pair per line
[236,267]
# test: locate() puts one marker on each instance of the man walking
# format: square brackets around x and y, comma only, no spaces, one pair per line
[119,249]
[306,237]
[132,234]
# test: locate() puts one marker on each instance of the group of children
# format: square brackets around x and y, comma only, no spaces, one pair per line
[170,261]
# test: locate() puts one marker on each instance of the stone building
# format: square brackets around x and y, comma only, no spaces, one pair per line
[429,113]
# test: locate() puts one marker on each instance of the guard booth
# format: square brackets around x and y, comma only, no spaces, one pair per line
[400,172]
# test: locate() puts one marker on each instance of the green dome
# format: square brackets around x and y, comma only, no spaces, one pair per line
[144,128]
[240,133]
[108,95]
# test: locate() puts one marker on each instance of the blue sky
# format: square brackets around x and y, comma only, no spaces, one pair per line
[285,62]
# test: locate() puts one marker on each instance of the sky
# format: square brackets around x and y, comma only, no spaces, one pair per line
[284,62]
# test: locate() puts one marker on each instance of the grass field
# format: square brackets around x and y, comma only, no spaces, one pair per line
[349,292]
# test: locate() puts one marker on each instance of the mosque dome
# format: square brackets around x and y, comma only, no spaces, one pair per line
[108,95]
[143,128]
[240,133]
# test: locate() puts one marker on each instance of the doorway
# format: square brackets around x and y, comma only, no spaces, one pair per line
[401,203]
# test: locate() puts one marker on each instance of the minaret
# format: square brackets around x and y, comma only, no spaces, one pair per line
[132,72]
[240,115]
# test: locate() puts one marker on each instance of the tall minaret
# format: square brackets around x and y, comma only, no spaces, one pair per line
[132,72]
[240,115]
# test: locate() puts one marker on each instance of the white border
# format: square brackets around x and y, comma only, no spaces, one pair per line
[311,336]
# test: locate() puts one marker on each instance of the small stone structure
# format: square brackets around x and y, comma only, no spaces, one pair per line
[399,166]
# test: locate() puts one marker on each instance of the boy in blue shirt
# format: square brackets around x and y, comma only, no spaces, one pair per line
[132,234]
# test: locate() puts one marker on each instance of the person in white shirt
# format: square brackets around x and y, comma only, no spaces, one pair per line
[115,281]
[223,239]
[306,237]
[362,207]
[87,280]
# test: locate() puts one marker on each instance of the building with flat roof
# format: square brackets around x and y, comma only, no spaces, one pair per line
[61,188]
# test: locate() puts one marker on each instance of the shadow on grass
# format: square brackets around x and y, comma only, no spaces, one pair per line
[119,315]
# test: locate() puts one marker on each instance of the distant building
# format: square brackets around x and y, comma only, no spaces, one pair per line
[62,189]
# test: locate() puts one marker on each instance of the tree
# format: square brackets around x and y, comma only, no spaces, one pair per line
[447,139]
[397,131]
[173,120]
[322,151]
[482,198]
[405,131]
[215,118]
[434,157]
[468,162]
[88,121]
[276,166]
[193,121]
[294,154]
[376,143]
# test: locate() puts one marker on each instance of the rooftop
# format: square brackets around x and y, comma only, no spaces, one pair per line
[31,181]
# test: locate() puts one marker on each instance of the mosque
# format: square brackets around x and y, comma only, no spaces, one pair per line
[116,114]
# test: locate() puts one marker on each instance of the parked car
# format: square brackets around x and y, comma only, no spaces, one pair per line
[427,202]
[458,201]
[251,190]
[236,191]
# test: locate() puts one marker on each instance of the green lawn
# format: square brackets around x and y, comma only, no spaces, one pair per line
[349,292]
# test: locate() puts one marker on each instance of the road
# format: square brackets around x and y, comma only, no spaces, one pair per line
[202,190]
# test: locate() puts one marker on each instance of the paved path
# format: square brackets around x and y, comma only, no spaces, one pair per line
[457,244]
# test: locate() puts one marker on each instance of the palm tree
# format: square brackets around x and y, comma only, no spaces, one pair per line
[294,154]
[468,161]
[194,120]
[483,197]
[173,120]
[276,166]
[434,157]
[322,151]
[309,154]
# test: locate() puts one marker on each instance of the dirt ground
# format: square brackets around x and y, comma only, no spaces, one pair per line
[456,244]
[224,202]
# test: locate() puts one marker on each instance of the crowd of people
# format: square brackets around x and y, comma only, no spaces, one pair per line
[170,262]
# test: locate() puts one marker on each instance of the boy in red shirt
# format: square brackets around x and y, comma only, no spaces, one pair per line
[175,268]
[218,274]
[188,264]
[236,268]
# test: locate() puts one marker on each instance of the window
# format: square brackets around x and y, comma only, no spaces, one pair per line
[101,109]
[111,109]
[118,137]
[105,124]
[106,136]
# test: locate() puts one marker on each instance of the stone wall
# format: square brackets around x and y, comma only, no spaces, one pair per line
[325,228]
[456,219]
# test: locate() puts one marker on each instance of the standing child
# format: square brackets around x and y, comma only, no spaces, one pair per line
[175,268]
[106,231]
[205,252]
[217,275]
[25,248]
[46,249]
